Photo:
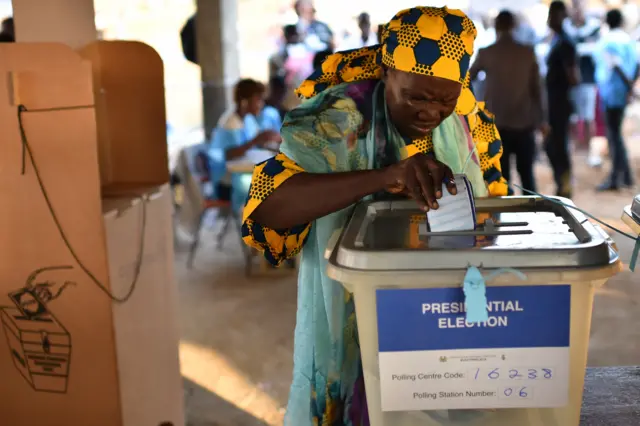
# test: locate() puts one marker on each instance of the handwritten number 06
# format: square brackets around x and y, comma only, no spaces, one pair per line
[522,393]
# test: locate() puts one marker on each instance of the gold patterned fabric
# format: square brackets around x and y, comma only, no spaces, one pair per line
[422,40]
[276,245]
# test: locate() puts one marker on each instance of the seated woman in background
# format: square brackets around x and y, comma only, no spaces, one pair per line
[398,117]
[237,132]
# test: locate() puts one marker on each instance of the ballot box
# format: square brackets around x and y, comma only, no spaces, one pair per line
[423,362]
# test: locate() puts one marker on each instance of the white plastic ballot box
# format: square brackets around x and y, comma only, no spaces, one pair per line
[423,363]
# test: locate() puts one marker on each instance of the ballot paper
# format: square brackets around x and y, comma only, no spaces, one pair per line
[455,212]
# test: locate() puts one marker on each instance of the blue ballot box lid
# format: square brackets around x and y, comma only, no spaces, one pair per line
[516,232]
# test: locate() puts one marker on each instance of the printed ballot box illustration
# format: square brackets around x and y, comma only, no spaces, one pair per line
[40,346]
[424,361]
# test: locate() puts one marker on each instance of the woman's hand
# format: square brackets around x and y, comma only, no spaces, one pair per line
[420,177]
[262,139]
[267,137]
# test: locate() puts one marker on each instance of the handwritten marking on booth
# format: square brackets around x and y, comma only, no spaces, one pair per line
[431,358]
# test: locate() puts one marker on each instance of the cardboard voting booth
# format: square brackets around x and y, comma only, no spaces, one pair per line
[68,353]
[128,84]
[140,250]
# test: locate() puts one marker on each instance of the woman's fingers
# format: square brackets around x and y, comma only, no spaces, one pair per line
[450,181]
[415,189]
[436,169]
[421,177]
[426,185]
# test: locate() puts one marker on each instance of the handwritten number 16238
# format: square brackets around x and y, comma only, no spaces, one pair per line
[531,373]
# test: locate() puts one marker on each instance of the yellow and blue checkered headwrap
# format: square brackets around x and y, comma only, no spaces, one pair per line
[422,40]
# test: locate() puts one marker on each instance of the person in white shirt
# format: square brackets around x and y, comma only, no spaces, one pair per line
[616,73]
[365,37]
[316,35]
[584,32]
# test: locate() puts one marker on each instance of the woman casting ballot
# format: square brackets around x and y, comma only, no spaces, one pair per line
[397,117]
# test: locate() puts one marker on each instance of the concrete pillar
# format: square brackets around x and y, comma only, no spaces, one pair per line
[218,54]
[66,21]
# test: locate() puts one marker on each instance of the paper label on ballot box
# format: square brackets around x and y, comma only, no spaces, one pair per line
[432,359]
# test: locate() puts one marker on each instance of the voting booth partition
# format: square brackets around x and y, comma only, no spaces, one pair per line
[76,344]
[424,361]
[128,85]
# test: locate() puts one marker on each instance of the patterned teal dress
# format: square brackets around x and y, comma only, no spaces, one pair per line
[342,129]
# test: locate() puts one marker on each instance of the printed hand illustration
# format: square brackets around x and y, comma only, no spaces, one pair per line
[50,290]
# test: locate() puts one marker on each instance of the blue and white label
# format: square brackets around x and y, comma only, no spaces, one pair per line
[431,358]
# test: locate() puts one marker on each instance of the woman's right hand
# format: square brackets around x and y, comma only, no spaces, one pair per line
[420,177]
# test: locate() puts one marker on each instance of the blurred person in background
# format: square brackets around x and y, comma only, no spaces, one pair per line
[271,116]
[316,35]
[298,59]
[524,33]
[292,63]
[514,95]
[238,131]
[486,37]
[616,73]
[188,40]
[366,37]
[562,76]
[7,31]
[379,31]
[584,33]
[279,58]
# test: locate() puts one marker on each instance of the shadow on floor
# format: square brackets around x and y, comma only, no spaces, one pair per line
[244,326]
[204,408]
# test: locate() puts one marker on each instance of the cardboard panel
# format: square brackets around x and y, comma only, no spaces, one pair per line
[129,89]
[53,89]
[44,75]
[57,358]
[146,326]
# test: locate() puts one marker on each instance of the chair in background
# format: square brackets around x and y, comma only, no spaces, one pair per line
[209,202]
[198,197]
